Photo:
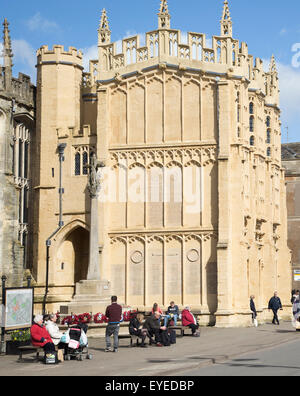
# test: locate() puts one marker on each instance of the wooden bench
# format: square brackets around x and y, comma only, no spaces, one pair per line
[133,339]
[29,348]
[182,329]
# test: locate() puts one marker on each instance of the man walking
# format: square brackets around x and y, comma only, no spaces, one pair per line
[275,305]
[253,309]
[114,315]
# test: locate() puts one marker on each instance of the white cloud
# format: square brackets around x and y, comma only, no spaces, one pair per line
[37,22]
[89,53]
[24,57]
[282,32]
[289,80]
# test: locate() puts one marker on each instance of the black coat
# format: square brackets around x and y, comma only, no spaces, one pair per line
[252,307]
[275,303]
[152,323]
[134,324]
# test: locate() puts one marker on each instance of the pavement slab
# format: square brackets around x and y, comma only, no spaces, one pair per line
[215,346]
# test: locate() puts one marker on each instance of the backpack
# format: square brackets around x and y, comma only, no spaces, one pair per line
[172,335]
[165,338]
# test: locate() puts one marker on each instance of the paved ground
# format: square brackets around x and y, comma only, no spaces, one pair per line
[216,349]
[280,361]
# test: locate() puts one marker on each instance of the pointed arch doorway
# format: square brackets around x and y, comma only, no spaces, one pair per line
[73,256]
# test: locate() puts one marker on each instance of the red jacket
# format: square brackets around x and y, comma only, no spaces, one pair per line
[37,333]
[187,318]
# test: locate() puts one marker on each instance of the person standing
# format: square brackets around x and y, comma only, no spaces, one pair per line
[253,309]
[114,315]
[275,305]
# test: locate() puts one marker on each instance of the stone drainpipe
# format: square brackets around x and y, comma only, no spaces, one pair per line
[61,149]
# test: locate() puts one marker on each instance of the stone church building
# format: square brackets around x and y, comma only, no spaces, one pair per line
[184,141]
[17,125]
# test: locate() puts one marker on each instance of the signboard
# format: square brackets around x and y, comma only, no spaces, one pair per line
[297,275]
[18,308]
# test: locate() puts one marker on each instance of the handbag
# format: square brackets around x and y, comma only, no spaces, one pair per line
[73,344]
[60,355]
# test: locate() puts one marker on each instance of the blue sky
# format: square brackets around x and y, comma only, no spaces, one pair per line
[268,27]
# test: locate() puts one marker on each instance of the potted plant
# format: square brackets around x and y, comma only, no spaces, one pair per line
[18,338]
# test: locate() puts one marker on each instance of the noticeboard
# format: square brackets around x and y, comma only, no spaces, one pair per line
[296,275]
[18,308]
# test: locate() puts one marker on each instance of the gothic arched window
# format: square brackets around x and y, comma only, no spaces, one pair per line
[268,152]
[269,136]
[77,164]
[252,141]
[82,159]
[251,124]
[251,108]
[268,122]
[85,160]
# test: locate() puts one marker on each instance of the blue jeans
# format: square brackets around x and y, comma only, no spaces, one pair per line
[167,317]
[112,329]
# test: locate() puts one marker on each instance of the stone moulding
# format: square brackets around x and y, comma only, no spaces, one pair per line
[165,156]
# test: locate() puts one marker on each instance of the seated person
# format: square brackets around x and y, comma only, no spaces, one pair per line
[172,313]
[152,325]
[189,320]
[54,332]
[135,324]
[40,336]
[156,309]
[56,336]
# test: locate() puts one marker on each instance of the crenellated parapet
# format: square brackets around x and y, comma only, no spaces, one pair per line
[21,88]
[222,55]
[58,55]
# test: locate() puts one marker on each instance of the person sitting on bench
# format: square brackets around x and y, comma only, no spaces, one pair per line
[189,320]
[135,324]
[152,324]
[172,313]
[40,336]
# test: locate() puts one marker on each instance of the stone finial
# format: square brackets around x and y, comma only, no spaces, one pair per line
[7,56]
[7,50]
[104,31]
[164,17]
[226,22]
[273,67]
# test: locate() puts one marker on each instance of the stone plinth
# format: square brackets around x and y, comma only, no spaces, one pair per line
[90,296]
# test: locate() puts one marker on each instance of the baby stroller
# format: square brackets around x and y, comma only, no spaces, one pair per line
[78,344]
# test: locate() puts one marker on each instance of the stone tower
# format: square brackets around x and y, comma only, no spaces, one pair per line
[17,112]
[59,108]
